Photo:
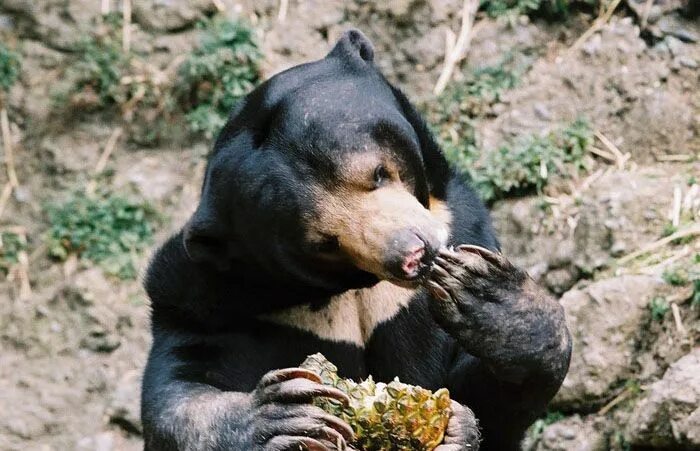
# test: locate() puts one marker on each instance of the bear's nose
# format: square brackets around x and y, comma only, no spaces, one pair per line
[408,255]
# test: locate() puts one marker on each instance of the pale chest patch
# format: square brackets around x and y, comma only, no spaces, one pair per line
[350,317]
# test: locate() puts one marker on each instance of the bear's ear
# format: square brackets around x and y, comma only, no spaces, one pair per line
[205,239]
[353,44]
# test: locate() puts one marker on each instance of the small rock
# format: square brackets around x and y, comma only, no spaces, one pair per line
[105,441]
[6,22]
[604,319]
[672,26]
[573,434]
[669,414]
[592,239]
[99,339]
[23,194]
[687,61]
[542,112]
[561,279]
[618,249]
[592,46]
[676,46]
[170,15]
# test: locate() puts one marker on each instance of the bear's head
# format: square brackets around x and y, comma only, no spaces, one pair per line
[324,176]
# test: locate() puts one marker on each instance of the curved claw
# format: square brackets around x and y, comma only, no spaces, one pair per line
[285,374]
[492,257]
[440,270]
[438,291]
[302,390]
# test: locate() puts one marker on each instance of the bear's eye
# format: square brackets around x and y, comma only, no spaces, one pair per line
[381,175]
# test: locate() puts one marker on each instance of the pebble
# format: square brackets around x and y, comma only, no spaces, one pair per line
[688,62]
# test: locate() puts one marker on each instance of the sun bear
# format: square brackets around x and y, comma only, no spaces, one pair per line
[330,222]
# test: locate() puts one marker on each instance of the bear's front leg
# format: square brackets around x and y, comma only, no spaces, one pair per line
[500,315]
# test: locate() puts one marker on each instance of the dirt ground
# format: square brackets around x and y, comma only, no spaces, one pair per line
[72,350]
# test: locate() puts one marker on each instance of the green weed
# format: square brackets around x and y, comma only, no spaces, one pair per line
[525,165]
[677,276]
[519,167]
[105,77]
[686,273]
[101,65]
[659,307]
[538,426]
[107,229]
[218,73]
[11,244]
[10,65]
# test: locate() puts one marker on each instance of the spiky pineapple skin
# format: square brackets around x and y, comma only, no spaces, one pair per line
[385,417]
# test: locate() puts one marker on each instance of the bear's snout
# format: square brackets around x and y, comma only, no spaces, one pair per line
[410,253]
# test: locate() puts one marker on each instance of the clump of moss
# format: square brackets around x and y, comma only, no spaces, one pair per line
[107,229]
[218,74]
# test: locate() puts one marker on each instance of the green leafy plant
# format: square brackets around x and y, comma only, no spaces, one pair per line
[9,67]
[677,276]
[99,67]
[686,273]
[218,73]
[659,307]
[105,77]
[539,425]
[107,229]
[528,163]
[525,165]
[481,88]
[11,244]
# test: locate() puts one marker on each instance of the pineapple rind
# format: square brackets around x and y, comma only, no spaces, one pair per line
[385,417]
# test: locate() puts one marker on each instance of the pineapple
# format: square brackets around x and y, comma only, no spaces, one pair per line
[385,417]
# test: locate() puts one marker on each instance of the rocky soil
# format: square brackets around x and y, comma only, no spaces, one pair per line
[72,349]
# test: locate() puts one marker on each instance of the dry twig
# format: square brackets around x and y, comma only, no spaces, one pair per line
[681,157]
[219,5]
[603,154]
[645,14]
[13,181]
[602,19]
[615,401]
[7,146]
[460,46]
[282,13]
[126,26]
[109,147]
[620,158]
[690,231]
[677,318]
[676,208]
